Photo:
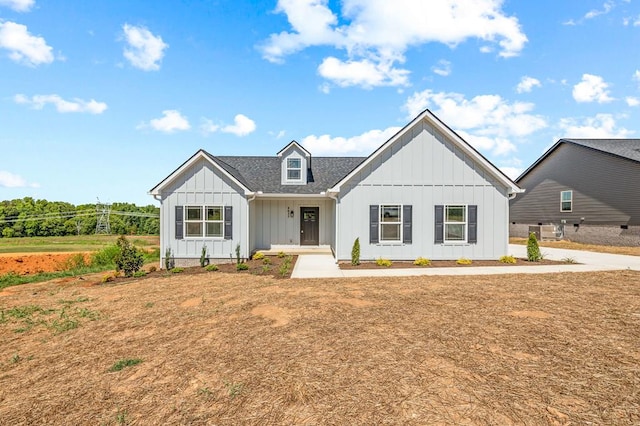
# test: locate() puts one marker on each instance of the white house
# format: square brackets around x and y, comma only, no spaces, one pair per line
[424,192]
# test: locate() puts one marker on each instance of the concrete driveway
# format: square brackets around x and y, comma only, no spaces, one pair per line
[324,266]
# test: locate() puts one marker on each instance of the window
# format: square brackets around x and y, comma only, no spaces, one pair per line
[204,221]
[294,169]
[455,223]
[566,201]
[391,222]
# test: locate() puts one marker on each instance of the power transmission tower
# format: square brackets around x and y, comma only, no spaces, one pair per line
[103,211]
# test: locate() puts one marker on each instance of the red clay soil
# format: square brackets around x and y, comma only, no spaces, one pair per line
[33,263]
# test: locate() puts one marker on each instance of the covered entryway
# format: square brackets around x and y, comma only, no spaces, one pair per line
[309,226]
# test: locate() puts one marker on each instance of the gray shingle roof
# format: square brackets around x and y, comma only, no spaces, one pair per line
[264,173]
[627,148]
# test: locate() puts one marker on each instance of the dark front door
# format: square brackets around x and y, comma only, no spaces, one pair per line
[309,226]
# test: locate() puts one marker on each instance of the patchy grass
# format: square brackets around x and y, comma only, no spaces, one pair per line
[243,349]
[564,244]
[71,243]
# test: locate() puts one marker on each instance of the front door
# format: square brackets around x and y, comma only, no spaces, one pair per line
[309,226]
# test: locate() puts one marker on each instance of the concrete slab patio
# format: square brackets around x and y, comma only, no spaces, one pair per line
[324,266]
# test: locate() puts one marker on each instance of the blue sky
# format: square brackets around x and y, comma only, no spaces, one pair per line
[106,98]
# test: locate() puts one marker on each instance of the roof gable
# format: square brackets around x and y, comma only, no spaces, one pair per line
[628,149]
[225,170]
[450,135]
[294,144]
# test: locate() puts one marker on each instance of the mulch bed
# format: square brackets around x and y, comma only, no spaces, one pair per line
[448,264]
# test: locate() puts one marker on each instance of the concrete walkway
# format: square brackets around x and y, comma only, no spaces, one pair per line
[324,266]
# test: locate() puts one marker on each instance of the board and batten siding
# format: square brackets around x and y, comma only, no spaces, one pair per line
[604,189]
[202,185]
[271,224]
[423,169]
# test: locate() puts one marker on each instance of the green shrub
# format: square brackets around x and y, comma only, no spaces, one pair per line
[533,250]
[152,268]
[204,260]
[176,270]
[464,261]
[281,254]
[106,256]
[129,259]
[266,261]
[507,259]
[421,261]
[242,267]
[107,278]
[212,267]
[284,269]
[139,273]
[258,255]
[355,252]
[568,260]
[383,262]
[169,262]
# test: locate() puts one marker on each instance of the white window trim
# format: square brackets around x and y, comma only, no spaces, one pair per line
[287,168]
[203,221]
[445,223]
[570,201]
[399,222]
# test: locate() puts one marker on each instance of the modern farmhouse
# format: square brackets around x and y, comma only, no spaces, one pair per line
[584,190]
[424,192]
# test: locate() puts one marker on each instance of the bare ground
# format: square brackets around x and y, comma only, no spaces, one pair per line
[237,349]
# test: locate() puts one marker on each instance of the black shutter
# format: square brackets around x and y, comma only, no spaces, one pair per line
[228,222]
[439,229]
[406,224]
[374,219]
[179,222]
[473,224]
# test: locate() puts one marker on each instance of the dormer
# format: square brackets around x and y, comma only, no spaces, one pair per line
[295,162]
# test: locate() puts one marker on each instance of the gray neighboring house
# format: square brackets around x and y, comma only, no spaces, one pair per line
[587,189]
[424,192]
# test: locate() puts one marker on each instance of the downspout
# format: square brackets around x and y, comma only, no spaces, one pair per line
[250,197]
[334,196]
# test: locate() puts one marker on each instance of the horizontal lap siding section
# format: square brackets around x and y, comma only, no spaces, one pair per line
[199,186]
[423,169]
[604,189]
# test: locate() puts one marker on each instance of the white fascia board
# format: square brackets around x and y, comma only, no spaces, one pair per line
[290,196]
[295,143]
[190,162]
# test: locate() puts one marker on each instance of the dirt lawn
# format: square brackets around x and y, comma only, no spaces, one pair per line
[34,263]
[230,349]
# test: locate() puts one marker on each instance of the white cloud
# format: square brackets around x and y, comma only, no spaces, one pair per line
[592,88]
[632,101]
[18,5]
[636,76]
[375,34]
[362,73]
[171,121]
[606,8]
[144,50]
[242,126]
[277,135]
[363,144]
[76,105]
[487,122]
[10,180]
[443,68]
[23,47]
[527,84]
[600,126]
[511,172]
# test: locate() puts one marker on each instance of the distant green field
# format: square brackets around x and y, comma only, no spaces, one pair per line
[80,243]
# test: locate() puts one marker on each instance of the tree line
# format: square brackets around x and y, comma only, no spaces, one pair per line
[27,217]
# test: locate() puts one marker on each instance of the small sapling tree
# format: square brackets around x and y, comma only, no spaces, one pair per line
[129,259]
[533,250]
[355,252]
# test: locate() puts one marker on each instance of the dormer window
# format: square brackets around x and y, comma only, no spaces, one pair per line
[294,169]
